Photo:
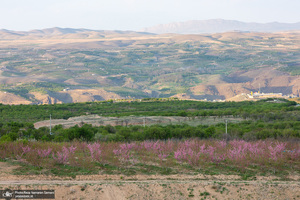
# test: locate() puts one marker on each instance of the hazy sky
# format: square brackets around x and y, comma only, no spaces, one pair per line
[137,14]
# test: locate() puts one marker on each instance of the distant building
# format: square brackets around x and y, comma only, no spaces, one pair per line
[257,95]
[66,89]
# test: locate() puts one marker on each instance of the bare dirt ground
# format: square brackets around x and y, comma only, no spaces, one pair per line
[179,186]
[11,99]
[97,120]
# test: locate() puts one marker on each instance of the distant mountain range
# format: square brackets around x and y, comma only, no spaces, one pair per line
[219,26]
[188,27]
[63,33]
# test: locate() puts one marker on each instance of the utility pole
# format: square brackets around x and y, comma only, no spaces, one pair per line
[226,133]
[50,125]
[226,126]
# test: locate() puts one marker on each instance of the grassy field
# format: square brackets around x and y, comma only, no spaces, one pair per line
[236,157]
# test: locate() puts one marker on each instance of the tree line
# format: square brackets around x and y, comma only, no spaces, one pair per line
[262,119]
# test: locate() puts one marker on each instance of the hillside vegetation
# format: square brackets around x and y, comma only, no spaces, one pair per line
[78,65]
[107,119]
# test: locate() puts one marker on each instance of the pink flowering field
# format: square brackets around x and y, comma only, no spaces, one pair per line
[171,156]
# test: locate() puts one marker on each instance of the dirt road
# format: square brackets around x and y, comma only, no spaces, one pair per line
[161,187]
[136,187]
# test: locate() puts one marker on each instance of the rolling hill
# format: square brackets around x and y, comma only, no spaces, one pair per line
[63,33]
[63,65]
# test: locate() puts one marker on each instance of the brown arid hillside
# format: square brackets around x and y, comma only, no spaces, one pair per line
[74,96]
[267,80]
[78,65]
[11,99]
[296,100]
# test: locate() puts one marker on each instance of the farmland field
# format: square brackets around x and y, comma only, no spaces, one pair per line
[97,114]
[190,169]
[182,150]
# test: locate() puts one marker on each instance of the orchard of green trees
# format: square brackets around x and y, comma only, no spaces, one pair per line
[263,119]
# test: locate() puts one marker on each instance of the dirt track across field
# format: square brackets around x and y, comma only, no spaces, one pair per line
[97,120]
[161,189]
[179,186]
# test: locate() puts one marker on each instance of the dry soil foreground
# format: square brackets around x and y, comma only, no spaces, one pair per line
[120,187]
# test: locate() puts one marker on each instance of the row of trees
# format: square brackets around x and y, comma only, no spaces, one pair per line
[263,119]
[34,113]
[248,130]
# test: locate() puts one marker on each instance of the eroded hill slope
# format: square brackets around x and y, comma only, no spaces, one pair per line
[77,65]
